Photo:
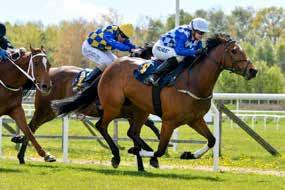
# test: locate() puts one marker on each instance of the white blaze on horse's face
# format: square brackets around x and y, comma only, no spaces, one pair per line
[44,61]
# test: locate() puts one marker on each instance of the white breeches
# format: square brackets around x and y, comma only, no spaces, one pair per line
[162,52]
[101,58]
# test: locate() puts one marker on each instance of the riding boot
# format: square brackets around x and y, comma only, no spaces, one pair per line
[162,69]
[90,78]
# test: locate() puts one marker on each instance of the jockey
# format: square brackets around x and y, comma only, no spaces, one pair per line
[98,45]
[5,44]
[176,44]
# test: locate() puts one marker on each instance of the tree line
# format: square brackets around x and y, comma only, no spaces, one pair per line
[260,33]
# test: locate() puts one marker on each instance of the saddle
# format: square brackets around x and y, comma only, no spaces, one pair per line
[147,68]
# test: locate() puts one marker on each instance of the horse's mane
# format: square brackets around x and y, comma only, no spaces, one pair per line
[213,42]
[216,40]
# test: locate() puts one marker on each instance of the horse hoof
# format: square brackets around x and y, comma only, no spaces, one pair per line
[154,162]
[187,156]
[18,139]
[134,150]
[115,162]
[50,158]
[21,160]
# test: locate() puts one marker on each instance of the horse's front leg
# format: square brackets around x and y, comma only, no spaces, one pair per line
[201,127]
[165,135]
[18,115]
[40,116]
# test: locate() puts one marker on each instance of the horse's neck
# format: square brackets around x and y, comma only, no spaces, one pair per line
[13,76]
[203,77]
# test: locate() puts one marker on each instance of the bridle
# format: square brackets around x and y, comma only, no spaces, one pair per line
[30,70]
[221,63]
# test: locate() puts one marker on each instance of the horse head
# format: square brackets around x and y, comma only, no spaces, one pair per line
[38,69]
[230,56]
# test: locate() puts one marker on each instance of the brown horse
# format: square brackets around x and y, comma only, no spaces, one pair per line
[184,103]
[62,79]
[15,73]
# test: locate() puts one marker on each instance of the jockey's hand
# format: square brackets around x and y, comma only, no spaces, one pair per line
[137,51]
[199,51]
[3,54]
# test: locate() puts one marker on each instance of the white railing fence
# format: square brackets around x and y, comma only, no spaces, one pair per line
[213,116]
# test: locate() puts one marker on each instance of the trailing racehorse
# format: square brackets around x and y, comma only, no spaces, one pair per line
[15,73]
[186,102]
[62,79]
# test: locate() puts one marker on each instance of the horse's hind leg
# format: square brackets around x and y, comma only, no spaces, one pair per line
[102,126]
[19,116]
[201,127]
[134,133]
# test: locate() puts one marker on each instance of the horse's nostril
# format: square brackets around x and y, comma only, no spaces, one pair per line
[253,72]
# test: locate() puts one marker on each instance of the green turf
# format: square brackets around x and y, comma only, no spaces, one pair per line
[238,149]
[42,176]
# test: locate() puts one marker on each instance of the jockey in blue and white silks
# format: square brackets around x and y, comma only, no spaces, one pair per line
[176,44]
[98,45]
[5,44]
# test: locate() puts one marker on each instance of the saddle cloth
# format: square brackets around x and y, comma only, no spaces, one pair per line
[147,68]
[80,77]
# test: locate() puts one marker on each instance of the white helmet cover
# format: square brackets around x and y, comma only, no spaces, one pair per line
[200,24]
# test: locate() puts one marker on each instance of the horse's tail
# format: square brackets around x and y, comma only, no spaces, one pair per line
[67,105]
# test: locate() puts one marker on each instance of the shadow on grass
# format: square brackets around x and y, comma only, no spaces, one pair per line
[118,172]
[115,172]
[10,170]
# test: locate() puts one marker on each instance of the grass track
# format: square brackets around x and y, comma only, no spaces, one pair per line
[35,175]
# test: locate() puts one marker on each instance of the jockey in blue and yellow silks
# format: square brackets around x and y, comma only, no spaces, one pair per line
[5,44]
[98,45]
[176,44]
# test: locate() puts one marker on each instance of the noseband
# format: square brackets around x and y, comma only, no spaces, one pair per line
[26,73]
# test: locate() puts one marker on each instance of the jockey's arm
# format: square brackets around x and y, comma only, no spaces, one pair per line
[5,44]
[180,48]
[109,38]
[3,54]
[128,43]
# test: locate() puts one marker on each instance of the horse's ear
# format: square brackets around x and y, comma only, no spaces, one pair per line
[31,48]
[43,49]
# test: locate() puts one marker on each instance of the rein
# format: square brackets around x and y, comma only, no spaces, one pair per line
[231,69]
[26,73]
[188,92]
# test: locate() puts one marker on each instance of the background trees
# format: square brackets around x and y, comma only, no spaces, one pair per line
[261,34]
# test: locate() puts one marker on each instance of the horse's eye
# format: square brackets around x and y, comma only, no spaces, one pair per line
[234,51]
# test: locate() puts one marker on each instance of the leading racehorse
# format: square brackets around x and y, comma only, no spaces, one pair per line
[186,102]
[15,73]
